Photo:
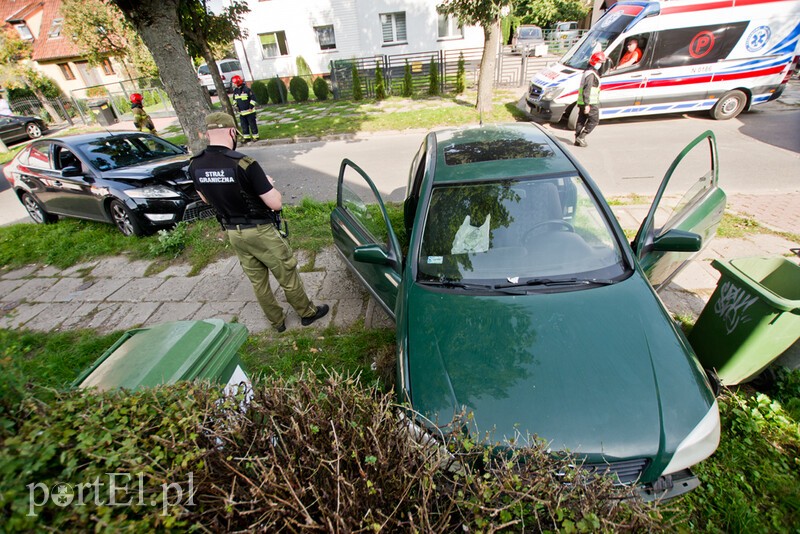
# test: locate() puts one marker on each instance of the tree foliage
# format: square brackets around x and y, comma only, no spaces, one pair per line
[16,71]
[100,30]
[546,13]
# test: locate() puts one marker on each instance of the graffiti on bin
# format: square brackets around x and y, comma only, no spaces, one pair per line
[732,305]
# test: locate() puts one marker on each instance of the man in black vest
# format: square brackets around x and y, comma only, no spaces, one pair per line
[248,205]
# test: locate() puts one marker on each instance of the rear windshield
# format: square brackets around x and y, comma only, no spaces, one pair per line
[493,150]
[530,33]
[203,70]
[125,151]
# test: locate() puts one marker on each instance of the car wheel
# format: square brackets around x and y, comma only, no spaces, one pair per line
[36,211]
[33,130]
[124,219]
[729,106]
[572,118]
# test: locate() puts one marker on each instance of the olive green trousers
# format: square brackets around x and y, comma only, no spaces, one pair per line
[262,250]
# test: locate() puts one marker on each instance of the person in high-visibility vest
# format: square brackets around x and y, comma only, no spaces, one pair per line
[246,105]
[140,117]
[589,99]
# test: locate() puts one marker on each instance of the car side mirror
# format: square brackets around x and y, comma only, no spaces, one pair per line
[71,171]
[678,241]
[372,254]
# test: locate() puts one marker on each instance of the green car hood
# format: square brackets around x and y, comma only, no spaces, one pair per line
[600,372]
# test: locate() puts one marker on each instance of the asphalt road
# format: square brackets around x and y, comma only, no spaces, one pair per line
[759,151]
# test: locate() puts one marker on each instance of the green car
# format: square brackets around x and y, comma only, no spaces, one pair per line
[518,300]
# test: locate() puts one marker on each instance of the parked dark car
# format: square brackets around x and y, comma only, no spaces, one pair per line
[137,181]
[521,309]
[15,127]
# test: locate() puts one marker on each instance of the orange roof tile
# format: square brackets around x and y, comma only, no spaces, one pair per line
[46,48]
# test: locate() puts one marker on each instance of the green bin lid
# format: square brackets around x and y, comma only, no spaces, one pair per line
[166,353]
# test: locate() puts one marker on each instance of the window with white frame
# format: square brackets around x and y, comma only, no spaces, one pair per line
[326,37]
[449,27]
[24,33]
[393,26]
[55,28]
[273,44]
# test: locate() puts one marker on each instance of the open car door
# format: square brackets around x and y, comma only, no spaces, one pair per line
[685,213]
[364,236]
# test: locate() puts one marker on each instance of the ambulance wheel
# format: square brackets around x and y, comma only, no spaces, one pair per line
[572,118]
[730,105]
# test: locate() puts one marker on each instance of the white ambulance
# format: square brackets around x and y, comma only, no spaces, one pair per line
[718,55]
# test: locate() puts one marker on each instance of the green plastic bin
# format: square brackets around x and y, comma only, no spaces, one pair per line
[169,352]
[752,317]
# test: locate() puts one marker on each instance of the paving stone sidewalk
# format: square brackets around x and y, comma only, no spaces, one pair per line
[117,294]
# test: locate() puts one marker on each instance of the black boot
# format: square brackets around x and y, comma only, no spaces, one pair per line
[580,140]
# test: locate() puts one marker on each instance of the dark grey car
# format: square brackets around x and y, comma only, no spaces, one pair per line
[16,127]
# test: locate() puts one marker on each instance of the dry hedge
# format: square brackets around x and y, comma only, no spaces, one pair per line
[310,453]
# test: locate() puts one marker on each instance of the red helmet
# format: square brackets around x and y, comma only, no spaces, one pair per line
[237,80]
[597,58]
[136,98]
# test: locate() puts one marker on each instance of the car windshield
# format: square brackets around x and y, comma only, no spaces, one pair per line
[124,151]
[203,70]
[517,231]
[600,36]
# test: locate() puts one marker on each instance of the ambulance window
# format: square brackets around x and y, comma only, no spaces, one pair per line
[694,46]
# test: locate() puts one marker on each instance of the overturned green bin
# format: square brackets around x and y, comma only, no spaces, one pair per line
[169,352]
[752,317]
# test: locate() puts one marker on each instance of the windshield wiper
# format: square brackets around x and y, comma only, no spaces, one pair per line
[443,282]
[550,282]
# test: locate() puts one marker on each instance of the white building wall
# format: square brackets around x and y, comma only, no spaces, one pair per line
[357,27]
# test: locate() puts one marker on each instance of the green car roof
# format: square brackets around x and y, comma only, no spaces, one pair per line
[480,153]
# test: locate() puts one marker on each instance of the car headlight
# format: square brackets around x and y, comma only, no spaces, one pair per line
[699,444]
[552,94]
[152,191]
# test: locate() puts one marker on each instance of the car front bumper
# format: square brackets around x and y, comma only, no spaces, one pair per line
[546,109]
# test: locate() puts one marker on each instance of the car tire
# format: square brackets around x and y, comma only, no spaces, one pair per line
[36,211]
[729,106]
[572,117]
[124,219]
[33,130]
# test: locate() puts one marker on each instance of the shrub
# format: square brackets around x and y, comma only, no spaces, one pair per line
[299,89]
[311,452]
[321,89]
[380,83]
[461,77]
[408,81]
[171,242]
[277,90]
[433,86]
[358,93]
[260,92]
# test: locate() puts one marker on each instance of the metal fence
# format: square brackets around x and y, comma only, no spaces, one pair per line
[510,71]
[117,96]
[53,110]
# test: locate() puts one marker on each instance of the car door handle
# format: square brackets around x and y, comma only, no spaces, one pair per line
[58,184]
[636,76]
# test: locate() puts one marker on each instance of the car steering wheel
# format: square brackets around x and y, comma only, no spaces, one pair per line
[550,222]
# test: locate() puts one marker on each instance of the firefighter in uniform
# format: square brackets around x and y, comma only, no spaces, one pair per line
[248,207]
[589,99]
[140,117]
[246,105]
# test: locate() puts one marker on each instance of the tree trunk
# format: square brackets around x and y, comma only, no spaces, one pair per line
[157,23]
[488,61]
[213,68]
[54,116]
